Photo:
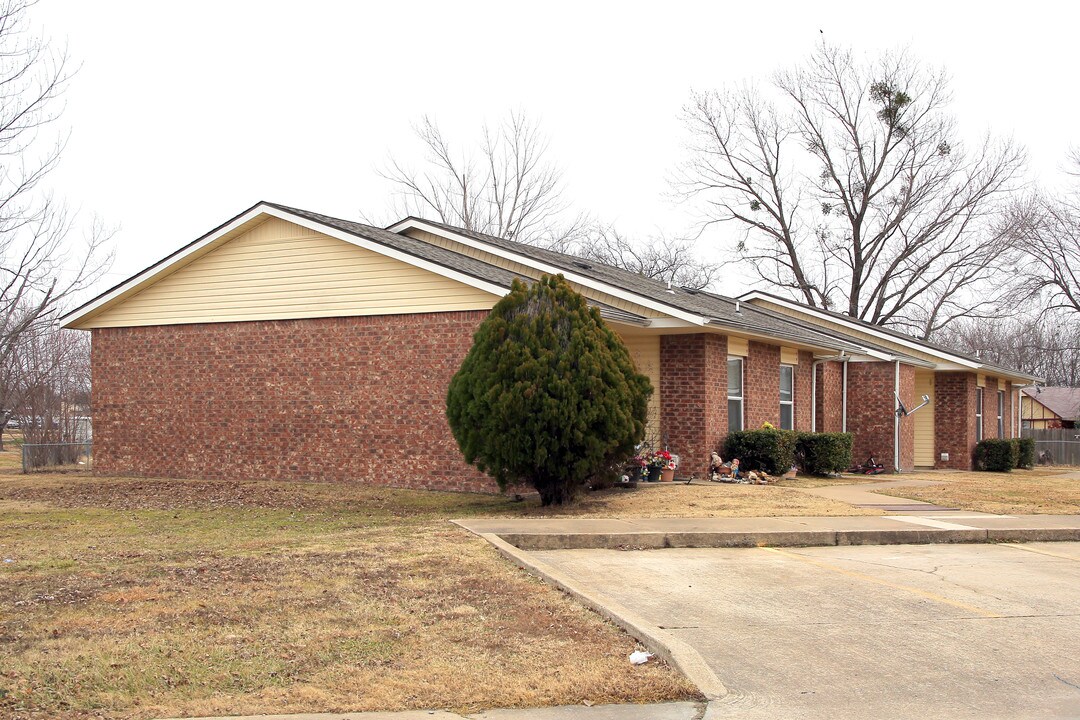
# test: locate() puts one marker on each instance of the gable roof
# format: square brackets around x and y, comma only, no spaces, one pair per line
[681,305]
[946,354]
[1062,401]
[706,307]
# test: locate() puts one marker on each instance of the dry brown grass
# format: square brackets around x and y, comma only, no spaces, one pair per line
[1043,491]
[681,500]
[137,598]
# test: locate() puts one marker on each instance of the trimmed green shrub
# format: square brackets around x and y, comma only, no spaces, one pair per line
[767,449]
[548,394]
[823,453]
[1025,452]
[995,455]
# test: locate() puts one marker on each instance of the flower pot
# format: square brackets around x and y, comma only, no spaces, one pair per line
[667,475]
[654,474]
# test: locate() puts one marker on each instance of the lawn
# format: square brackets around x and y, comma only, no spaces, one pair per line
[137,598]
[1042,491]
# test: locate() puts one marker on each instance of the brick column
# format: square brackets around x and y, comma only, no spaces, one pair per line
[871,409]
[762,389]
[693,398]
[804,387]
[830,397]
[954,418]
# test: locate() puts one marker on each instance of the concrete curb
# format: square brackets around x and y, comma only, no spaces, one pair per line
[793,538]
[673,651]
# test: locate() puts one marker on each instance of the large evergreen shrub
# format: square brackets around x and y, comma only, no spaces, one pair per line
[823,453]
[1025,451]
[767,449]
[548,394]
[994,455]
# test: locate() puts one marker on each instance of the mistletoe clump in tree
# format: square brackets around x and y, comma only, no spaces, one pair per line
[548,394]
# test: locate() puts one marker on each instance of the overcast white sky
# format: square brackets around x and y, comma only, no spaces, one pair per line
[184,114]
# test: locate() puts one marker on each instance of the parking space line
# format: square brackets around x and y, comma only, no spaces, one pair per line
[1048,553]
[895,586]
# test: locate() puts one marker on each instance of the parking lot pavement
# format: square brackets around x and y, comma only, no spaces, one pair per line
[900,631]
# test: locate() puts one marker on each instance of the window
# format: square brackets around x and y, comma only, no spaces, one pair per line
[787,397]
[978,414]
[734,394]
[1001,413]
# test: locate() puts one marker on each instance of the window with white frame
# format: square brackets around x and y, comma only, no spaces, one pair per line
[735,393]
[1001,413]
[978,414]
[787,397]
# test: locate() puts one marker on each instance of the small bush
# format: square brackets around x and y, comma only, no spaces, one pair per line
[1025,452]
[994,455]
[823,453]
[768,449]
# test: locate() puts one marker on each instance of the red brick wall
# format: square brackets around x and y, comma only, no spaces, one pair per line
[804,385]
[762,373]
[693,398]
[830,398]
[871,411]
[954,418]
[341,399]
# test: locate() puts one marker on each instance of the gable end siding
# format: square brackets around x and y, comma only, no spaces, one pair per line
[282,271]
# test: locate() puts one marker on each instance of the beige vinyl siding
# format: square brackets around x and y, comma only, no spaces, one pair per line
[526,271]
[980,380]
[924,419]
[645,352]
[738,346]
[280,270]
[789,355]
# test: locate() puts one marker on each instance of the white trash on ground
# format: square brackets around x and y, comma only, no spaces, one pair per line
[639,657]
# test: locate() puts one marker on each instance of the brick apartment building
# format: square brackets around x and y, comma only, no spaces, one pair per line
[285,344]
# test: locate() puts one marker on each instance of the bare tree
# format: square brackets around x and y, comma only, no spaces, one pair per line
[508,188]
[1039,343]
[669,260]
[40,270]
[854,190]
[1046,231]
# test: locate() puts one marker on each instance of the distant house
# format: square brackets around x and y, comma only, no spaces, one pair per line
[286,344]
[1048,407]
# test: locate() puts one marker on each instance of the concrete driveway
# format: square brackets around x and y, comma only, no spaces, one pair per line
[901,631]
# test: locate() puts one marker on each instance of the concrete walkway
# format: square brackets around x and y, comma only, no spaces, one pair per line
[654,533]
[662,711]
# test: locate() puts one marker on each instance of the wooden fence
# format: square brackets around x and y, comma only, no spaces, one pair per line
[1063,445]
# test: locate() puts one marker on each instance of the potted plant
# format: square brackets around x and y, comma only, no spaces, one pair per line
[661,466]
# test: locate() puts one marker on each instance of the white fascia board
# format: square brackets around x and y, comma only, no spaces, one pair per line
[163,267]
[914,345]
[410,224]
[664,323]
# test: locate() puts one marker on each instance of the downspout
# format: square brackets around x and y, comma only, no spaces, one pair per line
[896,424]
[843,394]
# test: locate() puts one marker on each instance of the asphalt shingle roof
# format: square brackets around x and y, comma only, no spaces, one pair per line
[1063,401]
[717,308]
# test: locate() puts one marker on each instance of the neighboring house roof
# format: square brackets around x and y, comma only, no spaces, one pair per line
[1062,401]
[947,354]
